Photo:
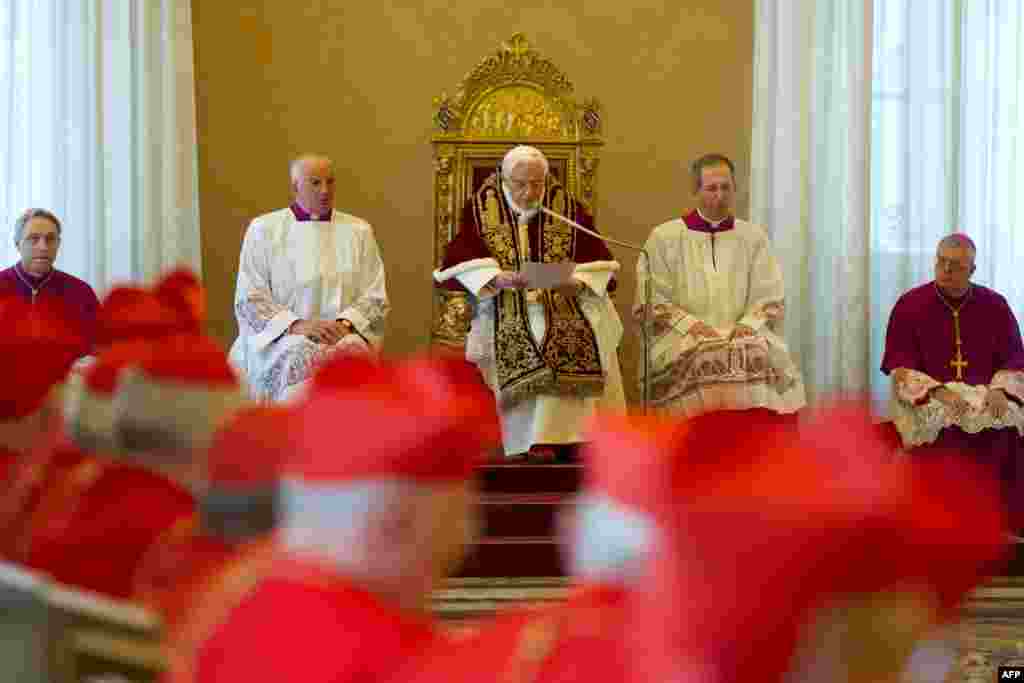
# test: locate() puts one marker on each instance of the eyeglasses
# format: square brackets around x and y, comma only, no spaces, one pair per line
[517,185]
[950,266]
[50,239]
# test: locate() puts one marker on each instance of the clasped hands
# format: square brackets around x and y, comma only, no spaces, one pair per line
[510,280]
[995,402]
[322,331]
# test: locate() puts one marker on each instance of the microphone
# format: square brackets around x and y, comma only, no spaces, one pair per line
[645,285]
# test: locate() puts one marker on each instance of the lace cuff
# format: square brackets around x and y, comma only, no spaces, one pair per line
[1010,381]
[921,424]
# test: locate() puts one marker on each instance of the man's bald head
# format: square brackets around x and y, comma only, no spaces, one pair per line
[312,178]
[301,164]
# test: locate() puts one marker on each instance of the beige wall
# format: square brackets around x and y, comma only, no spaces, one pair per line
[356,79]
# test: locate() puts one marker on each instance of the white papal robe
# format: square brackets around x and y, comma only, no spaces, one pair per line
[723,276]
[293,269]
[545,418]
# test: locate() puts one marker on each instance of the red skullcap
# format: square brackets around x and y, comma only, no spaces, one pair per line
[182,291]
[129,312]
[421,419]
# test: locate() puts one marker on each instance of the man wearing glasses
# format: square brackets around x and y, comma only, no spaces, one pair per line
[548,352]
[953,348]
[35,279]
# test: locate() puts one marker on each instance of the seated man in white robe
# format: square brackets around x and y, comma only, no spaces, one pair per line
[549,354]
[716,308]
[310,284]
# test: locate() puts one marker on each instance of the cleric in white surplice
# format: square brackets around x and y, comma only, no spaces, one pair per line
[310,284]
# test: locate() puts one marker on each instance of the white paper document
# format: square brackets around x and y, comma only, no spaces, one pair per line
[547,275]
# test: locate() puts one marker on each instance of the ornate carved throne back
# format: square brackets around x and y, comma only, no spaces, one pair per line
[513,97]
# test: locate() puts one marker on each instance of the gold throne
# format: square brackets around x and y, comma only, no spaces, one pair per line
[512,97]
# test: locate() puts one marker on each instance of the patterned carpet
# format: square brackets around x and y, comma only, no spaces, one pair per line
[990,635]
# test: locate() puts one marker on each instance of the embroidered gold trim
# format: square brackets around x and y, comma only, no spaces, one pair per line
[567,361]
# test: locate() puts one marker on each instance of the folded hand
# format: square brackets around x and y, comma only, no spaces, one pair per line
[996,403]
[956,405]
[741,331]
[320,331]
[508,280]
[702,329]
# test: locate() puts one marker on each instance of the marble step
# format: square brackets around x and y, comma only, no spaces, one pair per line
[474,598]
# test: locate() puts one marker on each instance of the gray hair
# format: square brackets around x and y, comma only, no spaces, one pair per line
[295,168]
[518,155]
[347,525]
[710,161]
[29,214]
[958,240]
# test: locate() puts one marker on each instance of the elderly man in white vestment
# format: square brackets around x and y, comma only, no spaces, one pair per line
[310,284]
[717,302]
[549,353]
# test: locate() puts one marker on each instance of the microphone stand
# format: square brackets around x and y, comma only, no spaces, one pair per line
[645,284]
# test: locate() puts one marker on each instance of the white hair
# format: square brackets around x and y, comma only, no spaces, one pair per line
[374,530]
[296,168]
[520,154]
[611,541]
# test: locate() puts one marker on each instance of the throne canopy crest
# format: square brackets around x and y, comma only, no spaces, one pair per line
[515,96]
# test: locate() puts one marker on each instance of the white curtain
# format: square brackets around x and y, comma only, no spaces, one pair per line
[810,182]
[880,127]
[947,127]
[97,123]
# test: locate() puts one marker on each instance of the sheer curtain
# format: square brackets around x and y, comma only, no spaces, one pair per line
[97,123]
[809,178]
[947,138]
[880,127]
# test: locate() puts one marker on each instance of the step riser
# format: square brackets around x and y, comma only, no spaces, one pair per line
[542,558]
[519,510]
[513,519]
[530,478]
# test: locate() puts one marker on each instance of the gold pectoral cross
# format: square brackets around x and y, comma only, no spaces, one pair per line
[958,363]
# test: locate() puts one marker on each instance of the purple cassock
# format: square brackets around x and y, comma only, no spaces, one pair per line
[921,336]
[73,295]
